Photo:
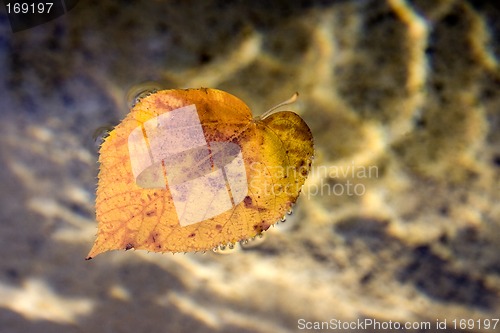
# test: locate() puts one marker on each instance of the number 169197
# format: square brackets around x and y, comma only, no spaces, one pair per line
[29,8]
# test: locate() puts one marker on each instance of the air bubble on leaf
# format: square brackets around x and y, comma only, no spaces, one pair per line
[226,249]
[253,242]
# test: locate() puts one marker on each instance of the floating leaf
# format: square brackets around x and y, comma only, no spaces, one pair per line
[189,170]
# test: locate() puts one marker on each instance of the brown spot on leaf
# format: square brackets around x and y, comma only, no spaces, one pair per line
[249,204]
[262,226]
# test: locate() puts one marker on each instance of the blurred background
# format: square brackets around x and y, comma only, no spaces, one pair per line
[403,101]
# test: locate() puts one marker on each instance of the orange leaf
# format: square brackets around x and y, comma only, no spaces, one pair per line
[188,170]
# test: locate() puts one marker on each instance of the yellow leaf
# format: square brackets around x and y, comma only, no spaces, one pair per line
[188,170]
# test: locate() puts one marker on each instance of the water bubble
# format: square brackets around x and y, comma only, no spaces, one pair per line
[283,219]
[252,242]
[223,249]
[290,212]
